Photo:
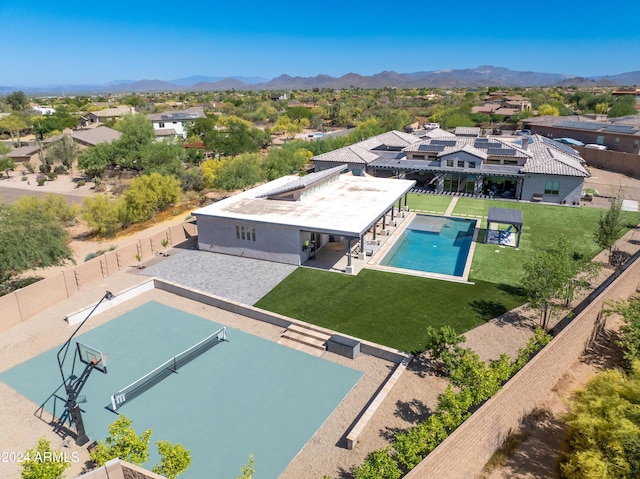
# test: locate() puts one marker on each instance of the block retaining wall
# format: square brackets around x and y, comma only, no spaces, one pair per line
[20,305]
[466,451]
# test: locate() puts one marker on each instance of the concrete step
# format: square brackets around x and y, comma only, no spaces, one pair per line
[314,342]
[309,331]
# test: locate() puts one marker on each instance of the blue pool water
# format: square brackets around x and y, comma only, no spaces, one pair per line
[433,244]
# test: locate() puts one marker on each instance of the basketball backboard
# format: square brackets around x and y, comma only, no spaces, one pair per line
[89,355]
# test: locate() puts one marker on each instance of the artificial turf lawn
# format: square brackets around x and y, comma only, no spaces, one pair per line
[542,225]
[430,203]
[387,308]
[394,309]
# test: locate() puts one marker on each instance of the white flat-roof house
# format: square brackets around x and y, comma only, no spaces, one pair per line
[532,168]
[173,123]
[287,220]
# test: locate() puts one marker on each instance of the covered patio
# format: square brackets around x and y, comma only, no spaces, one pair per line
[504,216]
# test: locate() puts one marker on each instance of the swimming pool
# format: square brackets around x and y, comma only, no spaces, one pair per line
[433,244]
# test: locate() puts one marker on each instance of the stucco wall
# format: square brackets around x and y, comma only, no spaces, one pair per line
[570,188]
[273,242]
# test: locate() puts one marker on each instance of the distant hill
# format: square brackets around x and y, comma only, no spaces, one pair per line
[482,76]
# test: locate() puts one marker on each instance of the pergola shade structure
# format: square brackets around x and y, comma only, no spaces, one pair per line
[505,216]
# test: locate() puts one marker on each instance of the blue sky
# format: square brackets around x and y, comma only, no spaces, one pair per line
[81,42]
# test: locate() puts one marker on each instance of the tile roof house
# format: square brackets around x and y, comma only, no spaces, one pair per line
[617,134]
[95,136]
[173,123]
[94,118]
[524,168]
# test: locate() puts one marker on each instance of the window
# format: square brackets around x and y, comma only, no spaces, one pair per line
[449,163]
[460,164]
[471,165]
[600,140]
[635,144]
[245,233]
[616,141]
[552,188]
[161,124]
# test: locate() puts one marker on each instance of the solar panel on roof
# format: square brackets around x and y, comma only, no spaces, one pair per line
[435,148]
[559,146]
[444,142]
[502,151]
[621,129]
[581,125]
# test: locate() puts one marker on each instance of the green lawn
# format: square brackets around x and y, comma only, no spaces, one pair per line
[394,309]
[387,308]
[542,226]
[430,203]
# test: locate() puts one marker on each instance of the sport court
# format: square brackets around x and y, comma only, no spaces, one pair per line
[243,396]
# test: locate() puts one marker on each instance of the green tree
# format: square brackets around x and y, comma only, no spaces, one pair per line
[164,157]
[549,110]
[94,161]
[285,161]
[200,127]
[6,165]
[17,100]
[30,241]
[148,195]
[610,226]
[175,459]
[247,471]
[54,206]
[379,465]
[123,442]
[63,151]
[623,106]
[14,124]
[102,214]
[630,337]
[240,172]
[55,122]
[234,137]
[604,428]
[42,462]
[552,274]
[137,134]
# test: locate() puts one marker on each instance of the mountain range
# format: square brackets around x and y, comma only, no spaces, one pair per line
[482,76]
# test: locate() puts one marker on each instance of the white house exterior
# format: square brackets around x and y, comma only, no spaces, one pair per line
[173,123]
[288,219]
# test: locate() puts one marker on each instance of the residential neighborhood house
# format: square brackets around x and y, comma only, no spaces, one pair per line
[532,168]
[171,124]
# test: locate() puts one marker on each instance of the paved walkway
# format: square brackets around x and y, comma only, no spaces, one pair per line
[244,280]
[451,207]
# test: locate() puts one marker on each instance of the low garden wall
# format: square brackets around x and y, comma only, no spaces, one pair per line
[466,451]
[20,305]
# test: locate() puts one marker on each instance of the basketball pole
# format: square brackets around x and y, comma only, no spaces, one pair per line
[70,386]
